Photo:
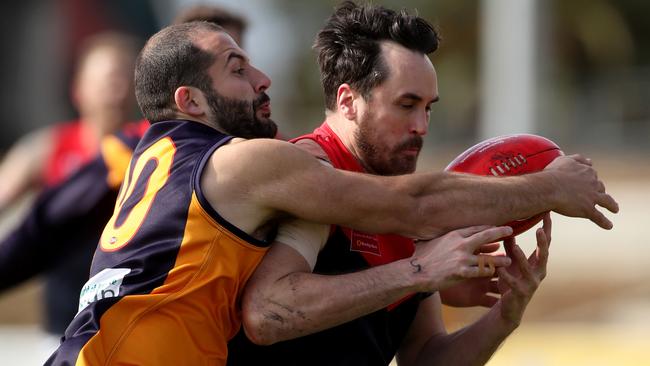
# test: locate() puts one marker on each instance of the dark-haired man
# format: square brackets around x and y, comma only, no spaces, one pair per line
[199,207]
[371,297]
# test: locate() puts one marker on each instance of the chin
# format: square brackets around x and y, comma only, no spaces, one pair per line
[407,167]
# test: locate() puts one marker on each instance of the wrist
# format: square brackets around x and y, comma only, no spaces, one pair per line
[550,187]
[506,324]
[419,277]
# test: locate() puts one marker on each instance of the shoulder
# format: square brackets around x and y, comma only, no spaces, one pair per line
[313,148]
[262,170]
[260,156]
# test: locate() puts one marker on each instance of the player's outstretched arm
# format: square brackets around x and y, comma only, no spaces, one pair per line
[261,177]
[427,342]
[256,180]
[283,300]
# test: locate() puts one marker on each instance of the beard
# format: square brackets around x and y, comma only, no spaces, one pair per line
[382,160]
[239,117]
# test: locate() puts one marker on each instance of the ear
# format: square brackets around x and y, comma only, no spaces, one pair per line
[345,98]
[189,100]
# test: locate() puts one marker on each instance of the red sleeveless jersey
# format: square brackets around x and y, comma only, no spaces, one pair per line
[375,249]
[70,152]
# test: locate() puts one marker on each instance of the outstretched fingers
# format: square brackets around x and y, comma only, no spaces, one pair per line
[471,230]
[482,270]
[608,202]
[488,248]
[547,226]
[599,219]
[487,236]
[486,265]
[523,264]
[541,254]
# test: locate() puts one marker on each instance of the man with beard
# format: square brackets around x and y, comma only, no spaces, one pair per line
[199,207]
[74,211]
[60,232]
[354,298]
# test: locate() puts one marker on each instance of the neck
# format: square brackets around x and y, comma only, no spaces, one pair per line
[199,119]
[344,129]
[105,122]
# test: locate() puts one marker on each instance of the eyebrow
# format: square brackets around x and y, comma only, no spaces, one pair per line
[235,55]
[418,98]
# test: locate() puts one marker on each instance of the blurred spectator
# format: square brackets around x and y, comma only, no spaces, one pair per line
[102,94]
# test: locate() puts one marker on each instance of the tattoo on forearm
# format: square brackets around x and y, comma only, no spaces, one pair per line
[416,267]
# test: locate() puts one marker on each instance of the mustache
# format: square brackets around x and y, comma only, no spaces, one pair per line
[414,142]
[263,98]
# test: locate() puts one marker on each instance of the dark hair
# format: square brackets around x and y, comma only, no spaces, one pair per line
[212,14]
[349,46]
[169,60]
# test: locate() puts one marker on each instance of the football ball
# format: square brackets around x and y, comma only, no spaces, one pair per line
[508,155]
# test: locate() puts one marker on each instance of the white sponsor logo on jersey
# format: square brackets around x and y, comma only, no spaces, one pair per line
[103,285]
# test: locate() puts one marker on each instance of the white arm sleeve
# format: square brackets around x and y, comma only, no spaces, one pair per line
[307,238]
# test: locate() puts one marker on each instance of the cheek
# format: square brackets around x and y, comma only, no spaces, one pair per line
[236,88]
[383,143]
[396,131]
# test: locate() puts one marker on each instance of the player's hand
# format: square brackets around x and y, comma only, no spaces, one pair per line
[518,282]
[475,291]
[581,190]
[472,292]
[445,261]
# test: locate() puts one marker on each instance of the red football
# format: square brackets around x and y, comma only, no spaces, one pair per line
[508,155]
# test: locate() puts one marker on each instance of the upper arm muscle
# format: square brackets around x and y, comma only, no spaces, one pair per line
[278,177]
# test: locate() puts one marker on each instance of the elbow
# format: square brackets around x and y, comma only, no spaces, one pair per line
[260,324]
[257,332]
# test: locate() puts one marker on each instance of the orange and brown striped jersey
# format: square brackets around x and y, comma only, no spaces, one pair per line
[168,270]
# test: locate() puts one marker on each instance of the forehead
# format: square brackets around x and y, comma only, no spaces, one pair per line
[105,60]
[219,44]
[409,71]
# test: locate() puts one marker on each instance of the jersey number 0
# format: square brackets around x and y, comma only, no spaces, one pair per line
[115,236]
